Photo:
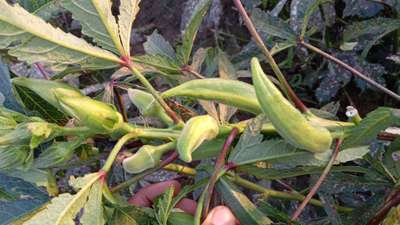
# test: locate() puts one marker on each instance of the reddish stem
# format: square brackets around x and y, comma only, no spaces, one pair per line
[42,70]
[219,165]
[381,215]
[316,186]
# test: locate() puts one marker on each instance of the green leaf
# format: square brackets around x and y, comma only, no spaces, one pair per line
[18,198]
[367,33]
[160,62]
[157,45]
[132,215]
[34,103]
[274,26]
[392,157]
[34,40]
[56,154]
[97,22]
[276,215]
[242,207]
[191,30]
[127,14]
[276,174]
[164,206]
[370,126]
[93,210]
[63,209]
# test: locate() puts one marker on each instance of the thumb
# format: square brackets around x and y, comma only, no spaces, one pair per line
[220,215]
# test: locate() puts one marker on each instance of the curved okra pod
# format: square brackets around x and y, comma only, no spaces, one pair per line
[288,121]
[229,92]
[197,130]
[146,157]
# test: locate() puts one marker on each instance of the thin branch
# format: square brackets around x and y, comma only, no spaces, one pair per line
[257,38]
[219,165]
[381,215]
[351,69]
[316,186]
[190,70]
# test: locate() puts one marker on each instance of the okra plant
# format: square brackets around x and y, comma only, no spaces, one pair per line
[57,127]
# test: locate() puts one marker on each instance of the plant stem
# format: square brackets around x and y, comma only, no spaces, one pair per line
[114,152]
[257,38]
[219,165]
[316,186]
[255,187]
[190,70]
[351,69]
[155,94]
[381,214]
[172,157]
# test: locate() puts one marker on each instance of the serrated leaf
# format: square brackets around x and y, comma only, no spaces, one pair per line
[31,39]
[160,62]
[18,198]
[97,22]
[367,33]
[93,211]
[164,206]
[370,126]
[63,209]
[157,45]
[242,207]
[127,14]
[132,215]
[274,26]
[191,30]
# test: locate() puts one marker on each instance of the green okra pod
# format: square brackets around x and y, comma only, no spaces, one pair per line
[146,157]
[229,92]
[197,130]
[290,123]
[148,105]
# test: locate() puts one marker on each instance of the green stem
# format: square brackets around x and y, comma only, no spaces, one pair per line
[255,187]
[76,131]
[155,94]
[114,152]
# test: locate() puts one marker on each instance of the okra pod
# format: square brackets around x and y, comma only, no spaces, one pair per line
[197,130]
[290,123]
[229,92]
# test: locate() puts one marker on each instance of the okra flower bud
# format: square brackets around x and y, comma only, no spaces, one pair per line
[56,154]
[145,158]
[31,134]
[197,130]
[99,116]
[6,125]
[290,123]
[148,106]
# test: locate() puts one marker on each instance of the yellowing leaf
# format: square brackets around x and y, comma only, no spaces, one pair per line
[31,39]
[97,21]
[127,14]
[63,209]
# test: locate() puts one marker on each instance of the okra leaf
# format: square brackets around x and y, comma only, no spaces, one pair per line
[189,35]
[34,40]
[274,26]
[64,208]
[367,33]
[392,157]
[162,63]
[242,207]
[97,22]
[370,126]
[157,45]
[132,215]
[128,11]
[18,199]
[276,174]
[34,103]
